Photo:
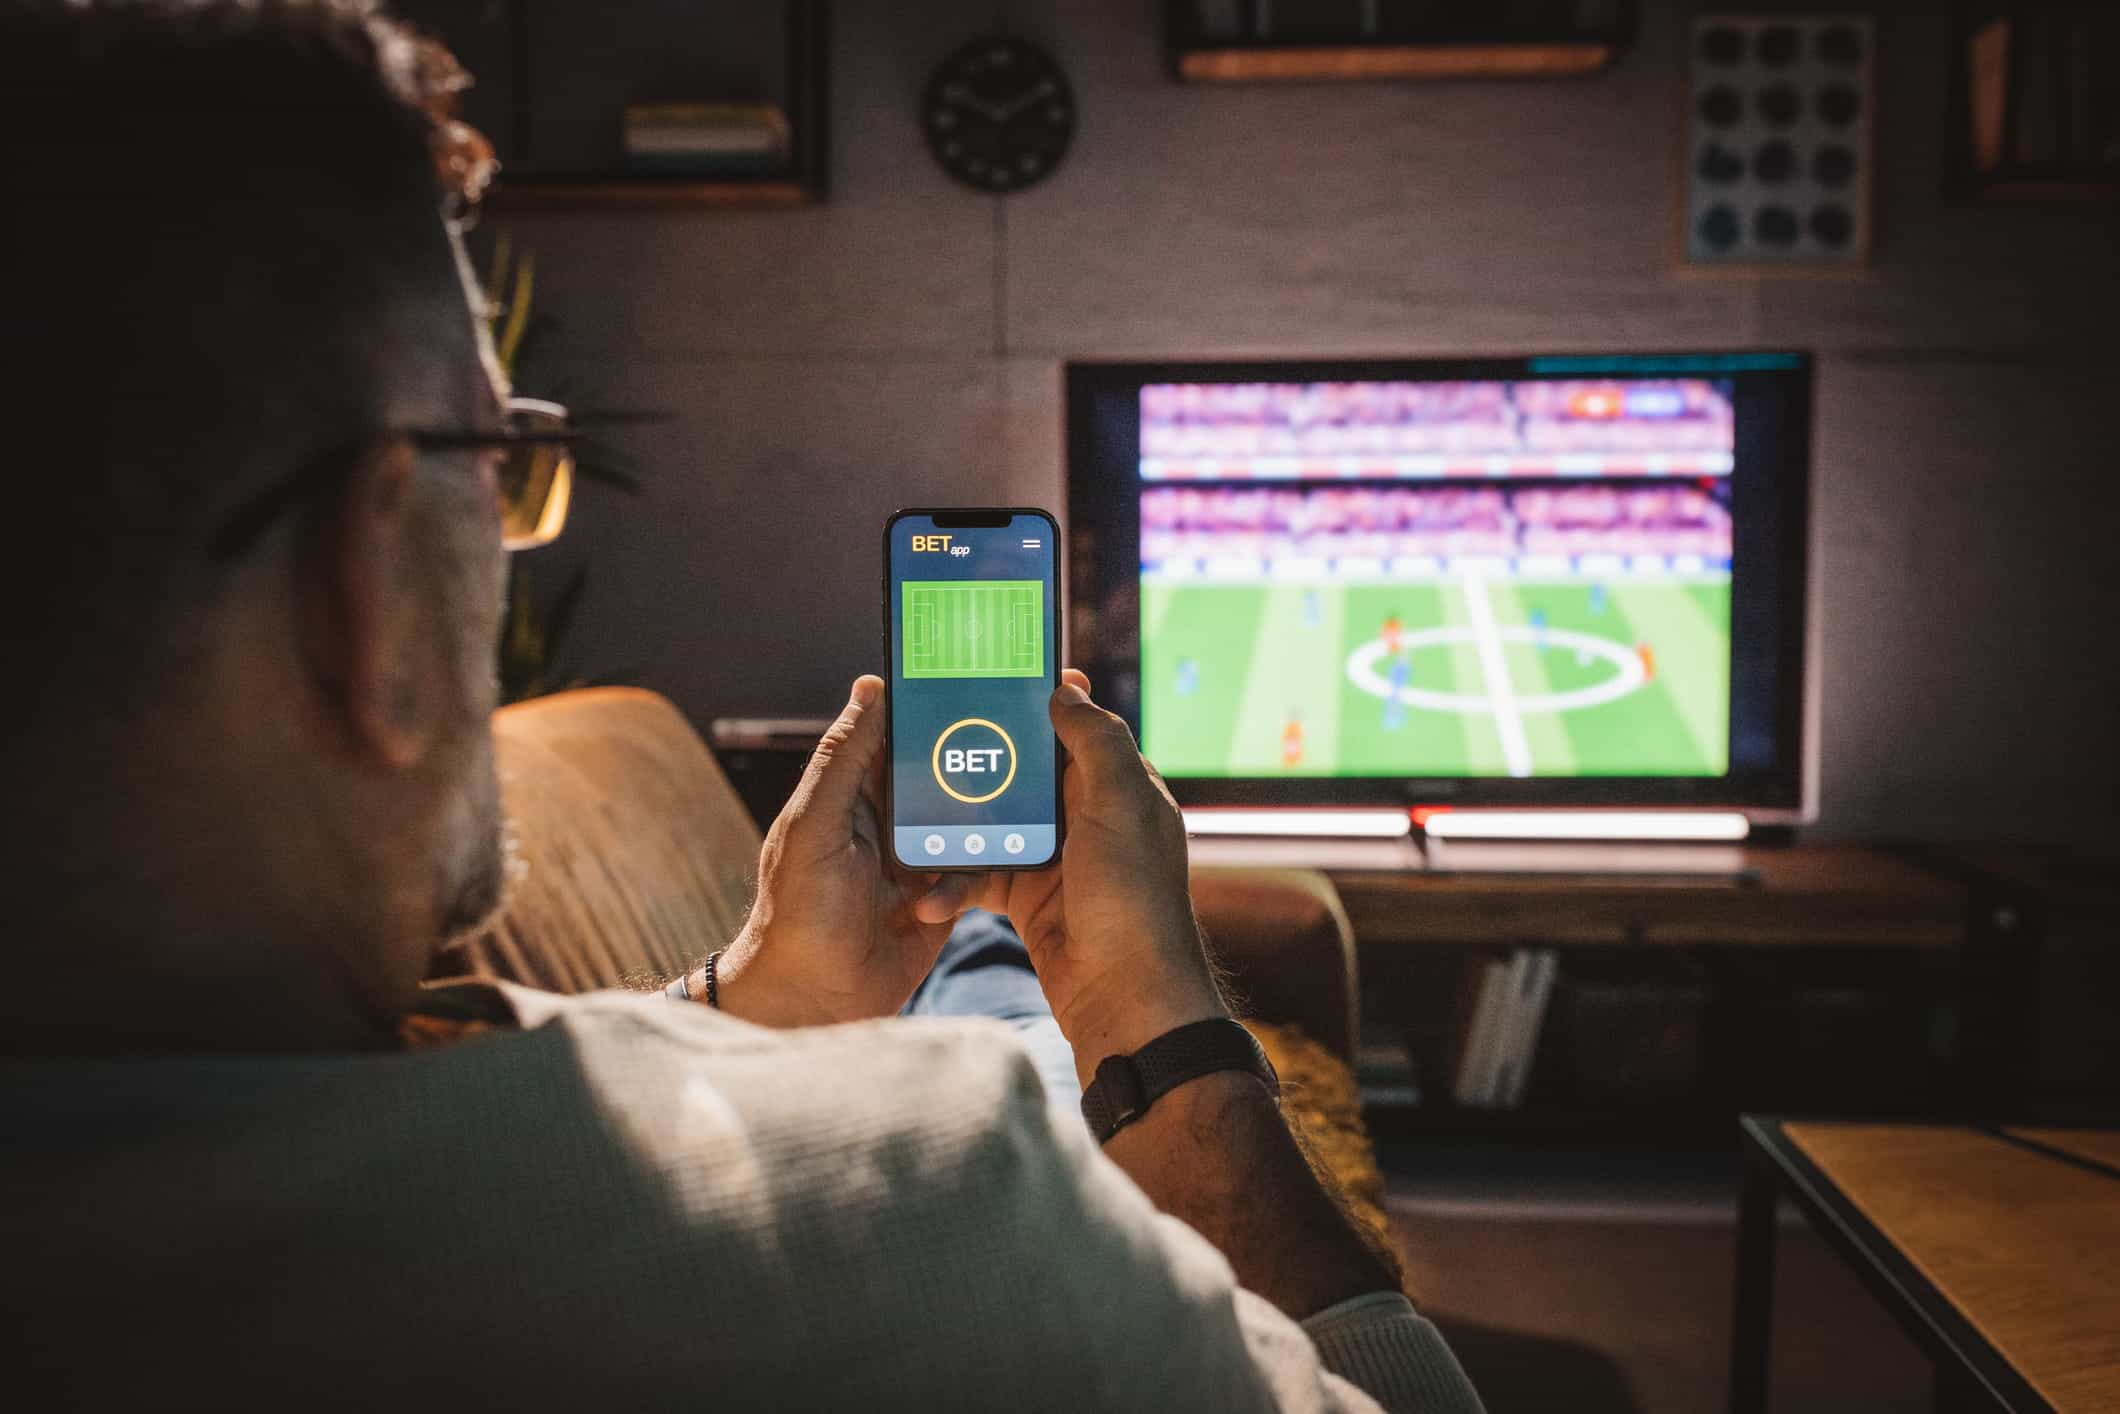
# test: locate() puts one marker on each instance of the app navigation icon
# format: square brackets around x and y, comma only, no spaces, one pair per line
[1013,843]
[932,844]
[975,843]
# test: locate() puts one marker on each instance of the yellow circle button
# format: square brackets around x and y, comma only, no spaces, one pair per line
[968,760]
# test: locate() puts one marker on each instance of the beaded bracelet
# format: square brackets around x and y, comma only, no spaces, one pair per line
[681,989]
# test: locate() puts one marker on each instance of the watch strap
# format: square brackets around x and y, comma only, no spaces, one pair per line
[1125,1086]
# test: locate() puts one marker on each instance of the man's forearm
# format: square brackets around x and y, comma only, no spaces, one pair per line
[1217,1154]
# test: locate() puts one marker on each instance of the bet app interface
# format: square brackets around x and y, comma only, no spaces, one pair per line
[974,769]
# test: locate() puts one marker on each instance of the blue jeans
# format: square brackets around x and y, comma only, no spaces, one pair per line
[983,970]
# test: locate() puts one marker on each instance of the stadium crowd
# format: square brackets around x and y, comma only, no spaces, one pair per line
[1187,420]
[1666,518]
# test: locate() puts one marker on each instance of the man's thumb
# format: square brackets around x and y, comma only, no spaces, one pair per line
[849,747]
[1096,739]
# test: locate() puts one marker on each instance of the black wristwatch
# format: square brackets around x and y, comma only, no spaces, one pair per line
[1125,1086]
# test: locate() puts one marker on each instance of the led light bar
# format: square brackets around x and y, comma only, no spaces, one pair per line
[1303,824]
[1718,825]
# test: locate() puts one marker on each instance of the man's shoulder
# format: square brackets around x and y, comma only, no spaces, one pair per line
[978,1060]
[892,1154]
[691,1085]
[613,1183]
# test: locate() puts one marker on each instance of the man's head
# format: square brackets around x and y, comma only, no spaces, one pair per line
[226,270]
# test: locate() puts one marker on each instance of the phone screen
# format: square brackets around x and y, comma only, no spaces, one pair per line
[974,636]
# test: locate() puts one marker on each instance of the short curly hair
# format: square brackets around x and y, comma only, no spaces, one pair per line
[222,222]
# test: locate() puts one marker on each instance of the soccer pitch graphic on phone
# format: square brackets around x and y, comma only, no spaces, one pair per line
[973,625]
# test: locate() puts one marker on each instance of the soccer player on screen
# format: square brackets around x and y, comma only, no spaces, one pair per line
[1292,741]
[1394,629]
[1394,704]
[1648,656]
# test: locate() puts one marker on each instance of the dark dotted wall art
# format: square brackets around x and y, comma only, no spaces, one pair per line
[1777,133]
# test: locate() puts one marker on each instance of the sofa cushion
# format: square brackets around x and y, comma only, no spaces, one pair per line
[631,855]
[1284,940]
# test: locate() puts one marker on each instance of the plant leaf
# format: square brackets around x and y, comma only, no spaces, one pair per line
[497,272]
[539,325]
[518,311]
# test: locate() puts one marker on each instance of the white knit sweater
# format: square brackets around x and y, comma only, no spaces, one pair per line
[617,1203]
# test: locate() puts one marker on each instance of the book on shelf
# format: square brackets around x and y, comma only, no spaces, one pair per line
[707,138]
[1469,1085]
[1502,1009]
[1526,1015]
[1384,1070]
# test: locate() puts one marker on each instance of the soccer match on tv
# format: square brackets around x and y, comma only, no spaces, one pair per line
[1470,578]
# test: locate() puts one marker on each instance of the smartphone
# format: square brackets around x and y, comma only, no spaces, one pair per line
[971,611]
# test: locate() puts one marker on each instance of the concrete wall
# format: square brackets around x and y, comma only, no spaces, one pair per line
[902,343]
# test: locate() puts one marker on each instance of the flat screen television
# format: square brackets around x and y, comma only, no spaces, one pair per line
[1549,581]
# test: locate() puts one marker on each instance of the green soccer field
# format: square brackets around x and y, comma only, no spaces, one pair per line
[976,628]
[1490,677]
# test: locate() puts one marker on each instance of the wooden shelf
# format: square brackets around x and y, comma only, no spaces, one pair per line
[526,193]
[556,124]
[1311,63]
[1692,1125]
[1683,1000]
[2022,111]
[1815,895]
[1255,43]
[1689,1124]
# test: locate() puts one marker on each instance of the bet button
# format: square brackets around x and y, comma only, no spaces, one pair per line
[974,761]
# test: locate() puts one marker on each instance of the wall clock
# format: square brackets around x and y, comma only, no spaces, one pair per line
[998,114]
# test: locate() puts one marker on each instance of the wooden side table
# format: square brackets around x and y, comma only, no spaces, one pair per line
[1999,1251]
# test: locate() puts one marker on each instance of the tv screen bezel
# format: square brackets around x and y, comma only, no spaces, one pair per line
[1101,489]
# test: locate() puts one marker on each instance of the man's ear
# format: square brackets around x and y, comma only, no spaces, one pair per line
[364,616]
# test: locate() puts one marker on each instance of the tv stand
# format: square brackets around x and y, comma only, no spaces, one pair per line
[1414,853]
[1820,977]
[1708,863]
[1822,895]
[1387,856]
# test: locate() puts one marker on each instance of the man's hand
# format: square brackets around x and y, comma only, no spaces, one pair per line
[838,932]
[1118,952]
[1111,930]
[832,936]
